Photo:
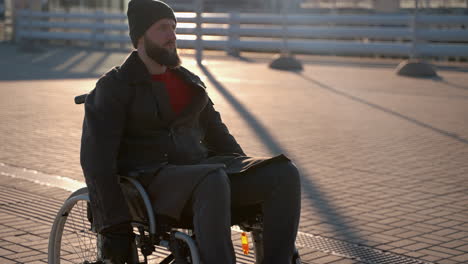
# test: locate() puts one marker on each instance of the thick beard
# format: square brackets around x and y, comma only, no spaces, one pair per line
[161,55]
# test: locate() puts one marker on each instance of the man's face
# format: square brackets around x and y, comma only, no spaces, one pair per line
[160,43]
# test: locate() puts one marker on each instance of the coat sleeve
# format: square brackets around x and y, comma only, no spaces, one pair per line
[217,137]
[102,131]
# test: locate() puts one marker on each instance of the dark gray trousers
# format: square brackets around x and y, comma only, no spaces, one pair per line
[275,186]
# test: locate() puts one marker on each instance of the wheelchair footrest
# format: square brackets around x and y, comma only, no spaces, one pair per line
[177,250]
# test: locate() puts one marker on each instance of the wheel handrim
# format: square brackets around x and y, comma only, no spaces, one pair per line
[75,241]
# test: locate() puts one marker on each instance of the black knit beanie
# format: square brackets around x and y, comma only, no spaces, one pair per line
[142,14]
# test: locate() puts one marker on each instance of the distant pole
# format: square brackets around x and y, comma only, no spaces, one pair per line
[285,49]
[199,32]
[233,31]
[414,66]
[285,60]
[414,29]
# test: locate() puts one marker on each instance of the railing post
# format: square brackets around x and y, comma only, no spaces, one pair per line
[199,30]
[26,42]
[233,34]
[31,41]
[123,45]
[2,21]
[16,19]
[99,20]
[414,38]
[285,60]
[414,66]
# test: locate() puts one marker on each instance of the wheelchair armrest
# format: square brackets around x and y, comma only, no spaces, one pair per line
[145,174]
[146,201]
[80,99]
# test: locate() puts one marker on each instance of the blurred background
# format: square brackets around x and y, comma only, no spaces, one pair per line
[270,6]
[433,29]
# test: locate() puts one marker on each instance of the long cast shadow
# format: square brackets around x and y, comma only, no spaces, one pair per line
[82,56]
[49,64]
[386,110]
[312,192]
[35,66]
[98,63]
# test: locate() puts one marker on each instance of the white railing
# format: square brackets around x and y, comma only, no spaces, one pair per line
[434,35]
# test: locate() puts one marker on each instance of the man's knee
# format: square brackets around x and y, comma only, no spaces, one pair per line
[287,173]
[217,183]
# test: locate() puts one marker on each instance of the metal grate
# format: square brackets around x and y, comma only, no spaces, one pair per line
[353,251]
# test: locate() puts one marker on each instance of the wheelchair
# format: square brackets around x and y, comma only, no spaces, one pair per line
[73,238]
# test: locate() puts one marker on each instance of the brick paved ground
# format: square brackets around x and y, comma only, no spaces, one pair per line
[27,211]
[383,158]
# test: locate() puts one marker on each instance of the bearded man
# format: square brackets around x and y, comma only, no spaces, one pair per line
[151,113]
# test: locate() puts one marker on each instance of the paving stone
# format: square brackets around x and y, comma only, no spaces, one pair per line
[424,228]
[444,232]
[426,240]
[395,231]
[16,248]
[461,259]
[15,239]
[385,247]
[417,246]
[26,254]
[446,261]
[346,261]
[414,254]
[30,237]
[327,259]
[446,250]
[433,253]
[401,243]
[458,235]
[4,260]
[431,258]
[408,234]
[4,243]
[33,258]
[4,252]
[463,248]
[436,221]
[312,254]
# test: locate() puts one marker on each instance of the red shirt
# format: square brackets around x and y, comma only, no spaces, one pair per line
[180,94]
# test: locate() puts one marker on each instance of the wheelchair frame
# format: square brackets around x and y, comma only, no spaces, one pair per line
[145,242]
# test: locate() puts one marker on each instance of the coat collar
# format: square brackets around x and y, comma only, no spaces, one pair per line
[134,71]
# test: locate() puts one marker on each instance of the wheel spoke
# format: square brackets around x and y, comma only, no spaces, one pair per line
[79,243]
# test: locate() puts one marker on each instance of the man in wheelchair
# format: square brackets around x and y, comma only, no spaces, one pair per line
[154,116]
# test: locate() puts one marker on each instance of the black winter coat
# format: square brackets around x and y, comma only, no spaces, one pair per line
[129,125]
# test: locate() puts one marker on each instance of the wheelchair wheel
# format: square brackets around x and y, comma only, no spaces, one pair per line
[72,239]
